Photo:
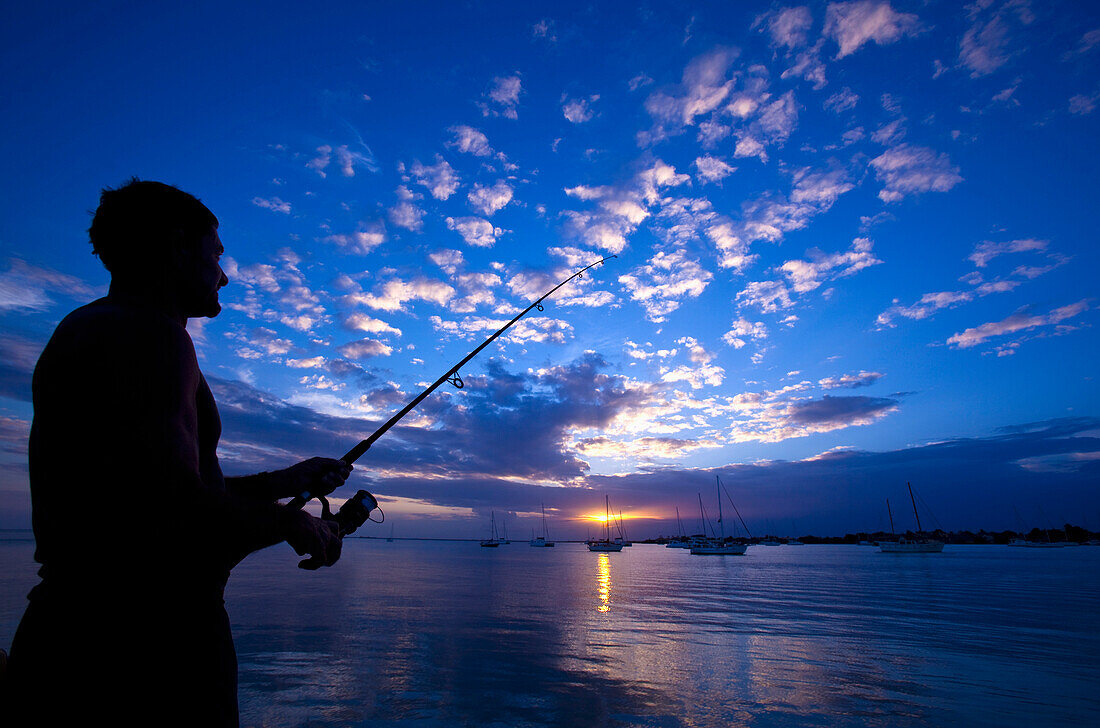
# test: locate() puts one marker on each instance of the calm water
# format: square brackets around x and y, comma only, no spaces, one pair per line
[450,634]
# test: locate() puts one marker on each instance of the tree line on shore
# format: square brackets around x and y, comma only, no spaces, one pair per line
[1068,532]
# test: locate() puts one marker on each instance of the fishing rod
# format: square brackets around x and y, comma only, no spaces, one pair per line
[356,510]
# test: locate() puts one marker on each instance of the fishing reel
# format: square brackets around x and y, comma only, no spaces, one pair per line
[353,514]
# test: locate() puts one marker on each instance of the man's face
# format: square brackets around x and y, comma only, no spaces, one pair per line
[205,278]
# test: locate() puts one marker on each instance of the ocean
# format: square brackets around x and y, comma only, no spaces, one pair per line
[423,633]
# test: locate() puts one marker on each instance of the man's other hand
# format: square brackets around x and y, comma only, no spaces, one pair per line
[318,476]
[318,538]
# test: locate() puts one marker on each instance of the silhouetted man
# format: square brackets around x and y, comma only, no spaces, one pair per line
[136,528]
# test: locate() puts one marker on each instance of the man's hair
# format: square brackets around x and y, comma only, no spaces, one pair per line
[135,225]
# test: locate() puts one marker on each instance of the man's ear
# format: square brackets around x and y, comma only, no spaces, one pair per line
[178,252]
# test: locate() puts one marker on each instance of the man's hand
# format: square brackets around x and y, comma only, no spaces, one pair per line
[319,476]
[318,538]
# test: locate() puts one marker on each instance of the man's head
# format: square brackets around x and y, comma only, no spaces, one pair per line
[152,235]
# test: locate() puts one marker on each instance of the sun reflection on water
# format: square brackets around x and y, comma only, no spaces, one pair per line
[603,581]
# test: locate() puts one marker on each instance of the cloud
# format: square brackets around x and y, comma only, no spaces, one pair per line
[986,45]
[475,231]
[713,169]
[832,411]
[504,94]
[361,242]
[544,29]
[1082,104]
[788,27]
[703,87]
[488,200]
[850,381]
[346,160]
[362,322]
[841,101]
[741,329]
[768,296]
[1022,320]
[469,140]
[987,250]
[395,293]
[578,111]
[806,275]
[274,204]
[906,170]
[853,24]
[18,356]
[621,208]
[405,214]
[364,348]
[662,284]
[440,179]
[27,288]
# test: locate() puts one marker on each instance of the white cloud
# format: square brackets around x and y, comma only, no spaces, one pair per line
[1019,321]
[26,287]
[475,231]
[488,200]
[395,293]
[843,100]
[361,242]
[311,363]
[742,329]
[346,160]
[703,87]
[440,179]
[713,169]
[768,296]
[362,322]
[405,214]
[808,275]
[986,45]
[274,204]
[852,24]
[504,93]
[469,140]
[578,111]
[662,284]
[906,170]
[1082,104]
[364,348]
[987,250]
[788,27]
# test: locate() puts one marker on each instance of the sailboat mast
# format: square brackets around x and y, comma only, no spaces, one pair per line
[891,514]
[607,517]
[702,518]
[913,500]
[718,487]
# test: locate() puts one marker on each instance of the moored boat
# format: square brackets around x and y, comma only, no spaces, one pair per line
[919,545]
[606,544]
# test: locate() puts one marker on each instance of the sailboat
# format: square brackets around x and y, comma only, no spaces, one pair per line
[606,544]
[717,546]
[492,541]
[622,532]
[681,539]
[918,545]
[542,540]
[390,539]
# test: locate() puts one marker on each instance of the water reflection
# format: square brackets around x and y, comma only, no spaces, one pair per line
[420,635]
[603,582]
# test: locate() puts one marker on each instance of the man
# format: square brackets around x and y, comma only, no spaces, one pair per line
[136,528]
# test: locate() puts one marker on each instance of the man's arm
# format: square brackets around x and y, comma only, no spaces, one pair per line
[317,475]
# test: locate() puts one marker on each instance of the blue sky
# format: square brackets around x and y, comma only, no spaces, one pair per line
[854,241]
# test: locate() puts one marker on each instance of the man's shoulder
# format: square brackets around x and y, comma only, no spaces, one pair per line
[104,326]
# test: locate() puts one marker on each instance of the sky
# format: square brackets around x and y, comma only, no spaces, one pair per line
[854,249]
